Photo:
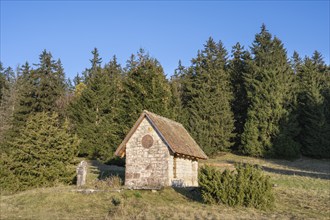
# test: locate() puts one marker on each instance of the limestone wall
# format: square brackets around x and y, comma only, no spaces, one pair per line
[170,170]
[186,173]
[146,166]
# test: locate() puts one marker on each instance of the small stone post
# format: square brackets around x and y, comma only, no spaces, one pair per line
[81,173]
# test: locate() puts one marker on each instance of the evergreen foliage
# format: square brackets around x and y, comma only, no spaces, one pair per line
[207,96]
[79,88]
[2,78]
[8,96]
[314,107]
[40,88]
[8,181]
[96,110]
[49,82]
[2,81]
[176,83]
[269,85]
[247,186]
[238,67]
[42,155]
[145,87]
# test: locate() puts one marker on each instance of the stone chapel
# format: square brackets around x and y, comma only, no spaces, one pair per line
[159,152]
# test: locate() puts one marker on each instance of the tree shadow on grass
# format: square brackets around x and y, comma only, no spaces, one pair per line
[191,193]
[104,171]
[296,169]
[305,164]
[297,173]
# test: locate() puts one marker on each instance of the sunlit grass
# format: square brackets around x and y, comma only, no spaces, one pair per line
[297,197]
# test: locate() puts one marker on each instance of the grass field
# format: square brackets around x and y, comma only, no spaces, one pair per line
[302,191]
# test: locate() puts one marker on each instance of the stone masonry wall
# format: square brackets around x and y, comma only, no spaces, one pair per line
[170,170]
[146,167]
[186,172]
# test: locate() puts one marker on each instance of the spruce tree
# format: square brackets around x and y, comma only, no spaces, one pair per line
[8,100]
[178,113]
[207,97]
[77,79]
[238,67]
[269,91]
[44,153]
[96,62]
[296,63]
[145,88]
[96,110]
[2,81]
[51,82]
[314,107]
[40,88]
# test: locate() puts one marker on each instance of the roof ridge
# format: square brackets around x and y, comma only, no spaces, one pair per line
[173,133]
[168,119]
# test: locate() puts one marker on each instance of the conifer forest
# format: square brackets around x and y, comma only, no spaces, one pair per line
[257,101]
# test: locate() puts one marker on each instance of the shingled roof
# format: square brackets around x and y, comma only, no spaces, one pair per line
[173,134]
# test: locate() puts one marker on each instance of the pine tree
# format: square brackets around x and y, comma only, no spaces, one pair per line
[207,98]
[145,88]
[269,91]
[96,110]
[43,154]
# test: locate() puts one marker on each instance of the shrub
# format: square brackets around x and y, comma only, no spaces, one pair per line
[116,201]
[245,186]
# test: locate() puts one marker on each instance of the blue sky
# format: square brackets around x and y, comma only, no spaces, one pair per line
[168,30]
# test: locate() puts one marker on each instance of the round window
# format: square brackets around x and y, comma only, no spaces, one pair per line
[147,141]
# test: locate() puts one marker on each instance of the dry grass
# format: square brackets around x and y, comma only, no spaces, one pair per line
[300,194]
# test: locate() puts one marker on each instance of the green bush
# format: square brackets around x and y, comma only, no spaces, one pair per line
[116,201]
[246,186]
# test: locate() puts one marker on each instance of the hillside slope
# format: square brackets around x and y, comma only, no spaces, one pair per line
[302,190]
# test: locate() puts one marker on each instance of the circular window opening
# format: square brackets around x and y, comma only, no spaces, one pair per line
[147,141]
